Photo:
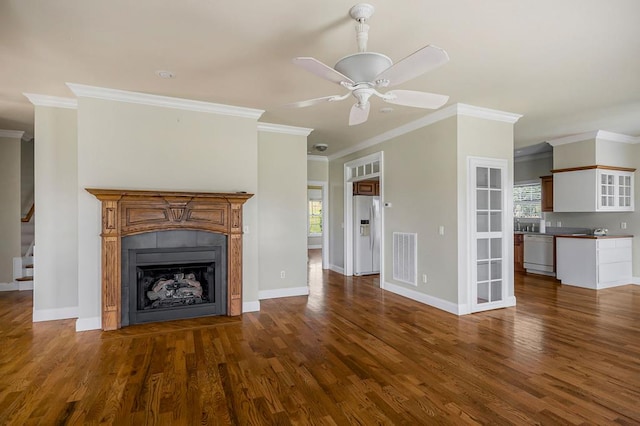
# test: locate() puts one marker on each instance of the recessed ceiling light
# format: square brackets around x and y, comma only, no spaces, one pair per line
[386,110]
[165,74]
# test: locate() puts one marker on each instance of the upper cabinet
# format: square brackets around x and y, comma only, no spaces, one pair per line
[546,193]
[593,189]
[366,187]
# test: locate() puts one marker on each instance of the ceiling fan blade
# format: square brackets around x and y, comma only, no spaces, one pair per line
[415,99]
[419,62]
[310,102]
[321,70]
[359,114]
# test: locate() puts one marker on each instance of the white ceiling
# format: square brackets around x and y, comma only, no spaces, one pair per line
[568,66]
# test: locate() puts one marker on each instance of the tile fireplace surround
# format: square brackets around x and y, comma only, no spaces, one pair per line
[129,212]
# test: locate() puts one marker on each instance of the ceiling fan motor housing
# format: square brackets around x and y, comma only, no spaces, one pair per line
[363,67]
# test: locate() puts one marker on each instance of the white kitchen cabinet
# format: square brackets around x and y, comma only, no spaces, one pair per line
[593,189]
[592,262]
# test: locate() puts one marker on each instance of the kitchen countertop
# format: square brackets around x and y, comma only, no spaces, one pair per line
[592,237]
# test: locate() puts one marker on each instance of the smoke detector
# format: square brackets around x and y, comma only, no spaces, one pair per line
[320,147]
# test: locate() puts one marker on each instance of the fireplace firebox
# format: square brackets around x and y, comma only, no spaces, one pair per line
[168,275]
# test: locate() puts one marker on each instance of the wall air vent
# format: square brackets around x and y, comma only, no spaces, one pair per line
[405,257]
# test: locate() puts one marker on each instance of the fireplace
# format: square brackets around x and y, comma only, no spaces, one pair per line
[151,214]
[169,275]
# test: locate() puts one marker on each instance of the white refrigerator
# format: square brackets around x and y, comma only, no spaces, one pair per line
[366,234]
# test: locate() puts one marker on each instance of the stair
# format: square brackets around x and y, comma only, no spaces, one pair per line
[22,273]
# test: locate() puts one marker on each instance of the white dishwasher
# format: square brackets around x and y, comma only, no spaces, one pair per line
[538,254]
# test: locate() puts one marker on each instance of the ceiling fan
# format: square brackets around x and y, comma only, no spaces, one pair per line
[364,72]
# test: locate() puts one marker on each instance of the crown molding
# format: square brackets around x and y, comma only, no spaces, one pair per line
[531,157]
[317,158]
[14,134]
[487,113]
[434,117]
[51,101]
[83,91]
[281,128]
[596,134]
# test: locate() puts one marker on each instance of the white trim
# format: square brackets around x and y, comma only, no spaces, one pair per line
[488,113]
[25,285]
[52,101]
[336,268]
[283,292]
[82,90]
[8,286]
[27,137]
[531,157]
[434,117]
[325,219]
[635,280]
[54,314]
[597,134]
[317,158]
[281,128]
[508,302]
[435,302]
[251,306]
[86,324]
[16,134]
[314,246]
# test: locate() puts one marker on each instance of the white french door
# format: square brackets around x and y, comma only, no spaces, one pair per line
[488,223]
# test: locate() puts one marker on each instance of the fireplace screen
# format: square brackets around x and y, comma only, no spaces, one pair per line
[168,286]
[166,283]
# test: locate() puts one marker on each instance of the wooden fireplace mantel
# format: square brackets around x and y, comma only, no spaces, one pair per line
[128,212]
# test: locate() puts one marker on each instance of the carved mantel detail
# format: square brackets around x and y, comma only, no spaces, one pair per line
[128,212]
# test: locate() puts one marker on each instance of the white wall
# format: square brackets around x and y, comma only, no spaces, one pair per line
[10,206]
[282,222]
[55,293]
[133,146]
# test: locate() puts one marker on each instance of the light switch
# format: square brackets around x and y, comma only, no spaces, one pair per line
[441,230]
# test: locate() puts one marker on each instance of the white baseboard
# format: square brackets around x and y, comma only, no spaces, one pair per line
[337,269]
[251,306]
[25,285]
[8,286]
[441,304]
[283,292]
[91,323]
[636,281]
[54,314]
[314,246]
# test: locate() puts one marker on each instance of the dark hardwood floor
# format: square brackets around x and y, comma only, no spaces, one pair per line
[349,353]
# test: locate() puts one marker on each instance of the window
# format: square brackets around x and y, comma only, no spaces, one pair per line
[315,211]
[526,200]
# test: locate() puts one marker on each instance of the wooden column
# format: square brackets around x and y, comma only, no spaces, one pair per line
[128,212]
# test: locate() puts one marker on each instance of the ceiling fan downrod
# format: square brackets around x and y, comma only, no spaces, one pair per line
[361,13]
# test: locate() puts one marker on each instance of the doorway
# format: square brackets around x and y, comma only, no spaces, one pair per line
[318,219]
[369,171]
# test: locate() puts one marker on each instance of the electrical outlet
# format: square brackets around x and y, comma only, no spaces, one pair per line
[245,229]
[623,225]
[559,224]
[441,230]
[424,278]
[282,274]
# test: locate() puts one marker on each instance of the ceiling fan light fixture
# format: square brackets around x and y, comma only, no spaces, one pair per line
[363,66]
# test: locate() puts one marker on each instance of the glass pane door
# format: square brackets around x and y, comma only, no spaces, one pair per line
[487,206]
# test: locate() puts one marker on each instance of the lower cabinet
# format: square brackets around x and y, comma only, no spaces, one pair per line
[518,253]
[594,262]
